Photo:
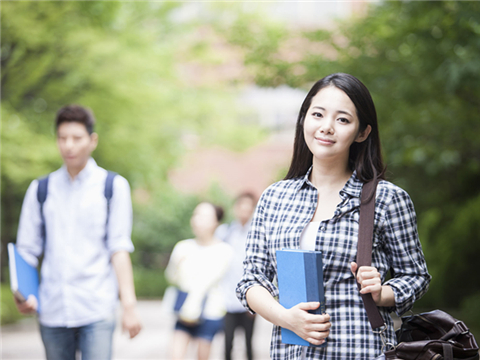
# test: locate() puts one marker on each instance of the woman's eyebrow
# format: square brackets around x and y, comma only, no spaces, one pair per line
[337,111]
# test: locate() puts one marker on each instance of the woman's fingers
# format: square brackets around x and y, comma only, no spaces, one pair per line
[314,341]
[306,306]
[371,289]
[370,282]
[322,327]
[369,279]
[366,273]
[353,268]
[312,327]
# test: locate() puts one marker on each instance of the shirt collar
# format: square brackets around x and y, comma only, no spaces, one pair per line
[84,173]
[304,181]
[353,186]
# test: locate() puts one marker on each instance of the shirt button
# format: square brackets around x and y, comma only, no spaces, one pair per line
[322,228]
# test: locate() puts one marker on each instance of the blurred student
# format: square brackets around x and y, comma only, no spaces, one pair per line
[85,246]
[235,234]
[196,268]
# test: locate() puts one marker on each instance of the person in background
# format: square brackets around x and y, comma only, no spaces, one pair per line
[196,268]
[86,262]
[316,207]
[235,234]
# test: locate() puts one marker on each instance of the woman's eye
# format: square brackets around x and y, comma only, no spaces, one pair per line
[317,114]
[344,120]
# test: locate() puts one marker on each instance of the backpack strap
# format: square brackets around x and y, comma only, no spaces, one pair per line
[108,195]
[41,197]
[42,192]
[364,247]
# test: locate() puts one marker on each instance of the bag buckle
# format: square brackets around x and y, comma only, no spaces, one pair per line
[463,327]
[385,343]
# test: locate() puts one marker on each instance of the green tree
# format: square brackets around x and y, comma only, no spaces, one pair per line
[127,62]
[420,62]
[419,59]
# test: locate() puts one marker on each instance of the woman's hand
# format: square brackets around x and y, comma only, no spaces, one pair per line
[310,327]
[369,279]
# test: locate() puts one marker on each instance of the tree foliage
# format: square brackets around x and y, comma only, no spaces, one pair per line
[420,62]
[125,61]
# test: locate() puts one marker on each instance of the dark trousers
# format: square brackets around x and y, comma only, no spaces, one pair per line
[232,321]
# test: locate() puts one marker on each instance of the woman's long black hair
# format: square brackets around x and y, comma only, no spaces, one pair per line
[365,157]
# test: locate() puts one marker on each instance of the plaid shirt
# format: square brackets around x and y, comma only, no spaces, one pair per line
[282,213]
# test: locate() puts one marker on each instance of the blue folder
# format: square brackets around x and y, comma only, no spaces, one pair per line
[181,297]
[300,279]
[23,277]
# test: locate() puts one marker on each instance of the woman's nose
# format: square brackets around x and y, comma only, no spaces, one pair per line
[326,127]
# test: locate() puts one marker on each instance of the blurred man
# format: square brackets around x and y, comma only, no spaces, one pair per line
[236,235]
[84,236]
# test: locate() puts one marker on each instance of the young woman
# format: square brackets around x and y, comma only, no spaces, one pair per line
[316,207]
[196,267]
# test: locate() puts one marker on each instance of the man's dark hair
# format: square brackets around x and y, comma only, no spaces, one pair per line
[75,113]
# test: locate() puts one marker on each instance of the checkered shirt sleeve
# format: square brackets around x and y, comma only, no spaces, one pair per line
[404,252]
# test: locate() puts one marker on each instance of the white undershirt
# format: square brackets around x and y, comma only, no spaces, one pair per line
[308,239]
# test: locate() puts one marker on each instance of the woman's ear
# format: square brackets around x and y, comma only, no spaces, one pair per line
[364,134]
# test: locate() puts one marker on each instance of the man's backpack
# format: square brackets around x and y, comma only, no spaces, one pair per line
[42,192]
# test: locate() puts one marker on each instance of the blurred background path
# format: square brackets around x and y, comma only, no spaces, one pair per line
[22,340]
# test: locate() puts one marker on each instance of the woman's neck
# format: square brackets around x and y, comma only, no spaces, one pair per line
[329,175]
[206,240]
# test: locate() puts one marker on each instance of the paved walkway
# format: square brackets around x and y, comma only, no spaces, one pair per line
[22,340]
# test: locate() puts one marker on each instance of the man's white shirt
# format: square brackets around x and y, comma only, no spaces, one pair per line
[78,283]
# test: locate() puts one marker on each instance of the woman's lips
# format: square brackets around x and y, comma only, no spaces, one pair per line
[325,141]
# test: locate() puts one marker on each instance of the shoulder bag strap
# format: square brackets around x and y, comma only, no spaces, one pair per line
[364,247]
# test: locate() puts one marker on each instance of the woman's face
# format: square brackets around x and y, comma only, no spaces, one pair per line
[204,220]
[243,209]
[331,125]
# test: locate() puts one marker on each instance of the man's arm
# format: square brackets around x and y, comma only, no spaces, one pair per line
[29,240]
[120,245]
[123,269]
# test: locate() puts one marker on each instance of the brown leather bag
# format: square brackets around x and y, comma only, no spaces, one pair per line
[434,335]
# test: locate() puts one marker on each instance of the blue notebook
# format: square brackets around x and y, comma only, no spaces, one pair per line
[300,279]
[23,277]
[181,297]
[180,300]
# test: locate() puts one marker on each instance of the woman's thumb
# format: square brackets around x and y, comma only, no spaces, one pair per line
[353,268]
[309,305]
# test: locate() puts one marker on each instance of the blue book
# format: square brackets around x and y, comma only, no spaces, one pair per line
[23,277]
[300,279]
[180,300]
[181,297]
